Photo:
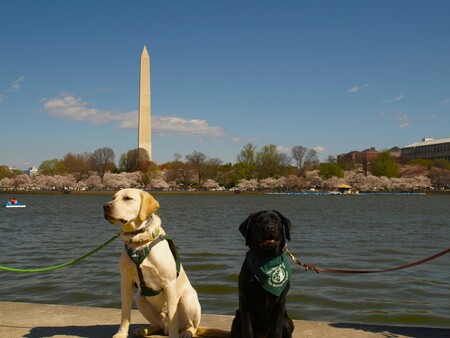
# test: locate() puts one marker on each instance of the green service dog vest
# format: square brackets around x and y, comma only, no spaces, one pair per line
[139,256]
[272,272]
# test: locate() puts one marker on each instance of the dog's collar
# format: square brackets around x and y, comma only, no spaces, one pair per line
[141,230]
[147,234]
[154,235]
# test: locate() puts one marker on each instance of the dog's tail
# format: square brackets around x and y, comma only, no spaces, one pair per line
[211,333]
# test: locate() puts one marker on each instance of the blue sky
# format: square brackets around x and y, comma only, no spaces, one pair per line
[335,76]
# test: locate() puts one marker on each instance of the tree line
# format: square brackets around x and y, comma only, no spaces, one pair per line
[265,168]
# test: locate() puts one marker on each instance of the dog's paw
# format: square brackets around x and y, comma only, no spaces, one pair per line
[146,331]
[164,316]
[189,333]
[120,335]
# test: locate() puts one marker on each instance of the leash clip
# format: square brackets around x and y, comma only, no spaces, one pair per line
[309,267]
[296,261]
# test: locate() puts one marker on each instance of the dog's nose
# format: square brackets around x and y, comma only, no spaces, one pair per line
[106,207]
[270,227]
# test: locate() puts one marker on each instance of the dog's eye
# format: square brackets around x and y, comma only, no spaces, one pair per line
[127,198]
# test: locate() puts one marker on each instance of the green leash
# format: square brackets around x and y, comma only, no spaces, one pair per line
[51,268]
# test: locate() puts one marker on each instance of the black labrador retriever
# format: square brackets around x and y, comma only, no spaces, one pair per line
[264,279]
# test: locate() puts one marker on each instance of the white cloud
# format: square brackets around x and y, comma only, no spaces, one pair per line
[73,108]
[15,86]
[244,140]
[395,99]
[180,126]
[127,120]
[356,89]
[405,121]
[284,149]
[319,149]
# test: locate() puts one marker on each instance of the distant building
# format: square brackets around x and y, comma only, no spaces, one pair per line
[31,171]
[351,157]
[366,158]
[395,152]
[428,149]
[369,156]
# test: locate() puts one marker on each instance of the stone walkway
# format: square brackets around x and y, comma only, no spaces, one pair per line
[58,321]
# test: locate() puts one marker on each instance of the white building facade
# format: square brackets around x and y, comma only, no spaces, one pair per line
[428,149]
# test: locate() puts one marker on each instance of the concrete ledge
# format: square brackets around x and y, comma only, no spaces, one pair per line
[58,321]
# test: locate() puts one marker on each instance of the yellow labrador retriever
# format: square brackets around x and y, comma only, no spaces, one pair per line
[166,298]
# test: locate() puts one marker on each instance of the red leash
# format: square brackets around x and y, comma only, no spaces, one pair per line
[312,267]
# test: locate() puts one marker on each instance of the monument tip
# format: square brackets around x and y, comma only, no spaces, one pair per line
[144,52]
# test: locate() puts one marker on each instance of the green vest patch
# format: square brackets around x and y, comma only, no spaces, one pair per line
[273,273]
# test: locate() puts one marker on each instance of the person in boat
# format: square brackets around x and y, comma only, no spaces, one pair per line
[13,201]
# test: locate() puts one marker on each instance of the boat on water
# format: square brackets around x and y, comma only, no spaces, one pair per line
[13,203]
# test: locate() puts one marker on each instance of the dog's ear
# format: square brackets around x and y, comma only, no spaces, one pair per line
[148,206]
[286,225]
[244,228]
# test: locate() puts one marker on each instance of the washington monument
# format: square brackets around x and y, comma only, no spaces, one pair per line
[145,110]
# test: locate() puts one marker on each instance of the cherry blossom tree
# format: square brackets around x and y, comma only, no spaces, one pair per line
[22,182]
[210,184]
[268,183]
[61,182]
[248,184]
[293,182]
[94,182]
[439,177]
[422,182]
[42,182]
[7,183]
[115,181]
[355,179]
[413,170]
[313,179]
[372,183]
[158,184]
[123,180]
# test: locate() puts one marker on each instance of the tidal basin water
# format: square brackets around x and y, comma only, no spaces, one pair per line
[348,232]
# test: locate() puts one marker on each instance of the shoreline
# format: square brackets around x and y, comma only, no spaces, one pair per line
[157,192]
[46,320]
